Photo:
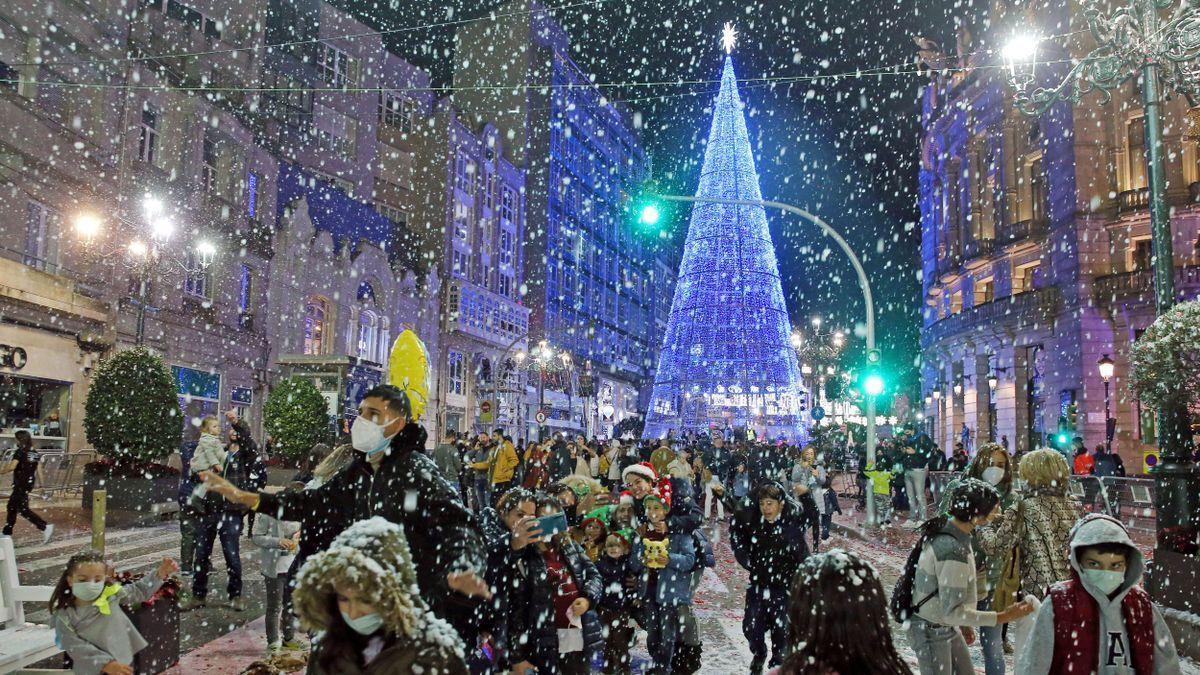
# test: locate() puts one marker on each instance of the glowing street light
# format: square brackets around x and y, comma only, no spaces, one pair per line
[205,251]
[138,248]
[88,227]
[1021,49]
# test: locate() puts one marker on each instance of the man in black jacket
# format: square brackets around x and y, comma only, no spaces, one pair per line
[391,477]
[24,475]
[767,538]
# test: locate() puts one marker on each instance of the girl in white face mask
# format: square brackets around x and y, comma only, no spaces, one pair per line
[89,623]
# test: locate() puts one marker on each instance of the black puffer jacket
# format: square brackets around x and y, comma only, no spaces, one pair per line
[771,552]
[407,490]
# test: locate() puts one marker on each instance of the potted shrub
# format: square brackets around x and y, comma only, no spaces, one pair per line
[132,418]
[296,417]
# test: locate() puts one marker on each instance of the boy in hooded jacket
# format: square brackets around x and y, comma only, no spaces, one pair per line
[767,538]
[1101,620]
[666,560]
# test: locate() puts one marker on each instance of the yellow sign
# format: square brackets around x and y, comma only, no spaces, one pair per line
[1149,460]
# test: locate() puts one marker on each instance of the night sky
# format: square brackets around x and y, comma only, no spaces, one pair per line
[844,148]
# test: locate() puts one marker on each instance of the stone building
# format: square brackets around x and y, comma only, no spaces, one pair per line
[1036,245]
[468,210]
[590,279]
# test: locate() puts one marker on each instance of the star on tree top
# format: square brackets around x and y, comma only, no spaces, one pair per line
[728,37]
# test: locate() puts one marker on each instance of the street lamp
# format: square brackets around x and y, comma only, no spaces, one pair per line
[1106,367]
[1135,40]
[544,358]
[143,252]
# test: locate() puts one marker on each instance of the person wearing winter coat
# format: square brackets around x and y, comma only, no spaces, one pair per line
[391,477]
[448,458]
[620,573]
[1039,523]
[277,541]
[1100,620]
[767,538]
[717,461]
[500,466]
[562,463]
[361,596]
[564,573]
[667,560]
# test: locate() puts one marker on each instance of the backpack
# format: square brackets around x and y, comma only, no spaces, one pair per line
[901,605]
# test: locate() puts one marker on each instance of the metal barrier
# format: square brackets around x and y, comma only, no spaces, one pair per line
[1128,499]
[59,474]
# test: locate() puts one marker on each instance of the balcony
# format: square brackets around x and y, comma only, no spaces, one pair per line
[978,248]
[1024,311]
[1010,232]
[1137,287]
[1133,200]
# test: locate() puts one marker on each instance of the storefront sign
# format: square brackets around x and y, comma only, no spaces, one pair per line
[13,357]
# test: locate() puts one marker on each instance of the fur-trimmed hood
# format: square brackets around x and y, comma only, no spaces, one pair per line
[372,556]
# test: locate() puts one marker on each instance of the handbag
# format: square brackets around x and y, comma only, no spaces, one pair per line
[1009,584]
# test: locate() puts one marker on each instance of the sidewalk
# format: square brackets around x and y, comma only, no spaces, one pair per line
[229,654]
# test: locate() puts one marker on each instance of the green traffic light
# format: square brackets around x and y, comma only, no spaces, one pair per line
[873,385]
[649,215]
[1062,439]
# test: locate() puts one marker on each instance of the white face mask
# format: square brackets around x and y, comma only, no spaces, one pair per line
[367,436]
[993,475]
[87,591]
[1105,581]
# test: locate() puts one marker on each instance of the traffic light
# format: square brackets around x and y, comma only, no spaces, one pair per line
[873,384]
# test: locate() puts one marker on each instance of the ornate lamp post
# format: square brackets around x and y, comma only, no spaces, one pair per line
[144,254]
[817,352]
[1137,40]
[544,359]
[1106,366]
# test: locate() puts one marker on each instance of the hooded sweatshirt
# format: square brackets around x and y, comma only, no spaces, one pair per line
[1116,651]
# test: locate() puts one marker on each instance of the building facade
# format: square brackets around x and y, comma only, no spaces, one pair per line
[590,280]
[1036,253]
[309,271]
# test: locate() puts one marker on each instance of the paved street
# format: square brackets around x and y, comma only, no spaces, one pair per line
[216,640]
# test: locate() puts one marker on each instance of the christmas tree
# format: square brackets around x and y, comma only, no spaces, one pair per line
[727,358]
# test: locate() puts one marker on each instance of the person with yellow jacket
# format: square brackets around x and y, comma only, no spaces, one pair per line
[501,464]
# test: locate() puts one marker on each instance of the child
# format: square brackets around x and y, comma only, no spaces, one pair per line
[1101,620]
[277,540]
[937,594]
[592,536]
[209,455]
[835,631]
[881,483]
[621,518]
[767,538]
[88,621]
[831,507]
[618,571]
[666,580]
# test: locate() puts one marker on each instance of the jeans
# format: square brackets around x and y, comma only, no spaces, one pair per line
[279,608]
[188,519]
[940,650]
[18,505]
[710,500]
[483,492]
[914,485]
[826,522]
[991,642]
[228,525]
[663,625]
[767,611]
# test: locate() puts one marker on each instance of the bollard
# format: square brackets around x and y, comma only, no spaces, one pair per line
[99,503]
[871,518]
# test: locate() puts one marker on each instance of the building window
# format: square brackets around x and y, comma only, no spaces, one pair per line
[985,290]
[458,263]
[41,236]
[1027,278]
[196,280]
[1141,254]
[506,247]
[245,289]
[462,222]
[508,206]
[956,302]
[208,169]
[1037,191]
[396,111]
[316,326]
[456,373]
[1135,155]
[395,214]
[368,335]
[338,131]
[148,138]
[336,67]
[464,173]
[251,194]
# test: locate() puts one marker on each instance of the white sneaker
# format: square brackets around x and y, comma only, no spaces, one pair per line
[47,533]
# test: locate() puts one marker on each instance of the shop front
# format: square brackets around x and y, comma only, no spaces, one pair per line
[44,379]
[342,380]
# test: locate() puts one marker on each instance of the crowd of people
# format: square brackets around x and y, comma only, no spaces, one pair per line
[485,555]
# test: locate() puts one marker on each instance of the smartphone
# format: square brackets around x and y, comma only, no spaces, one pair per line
[552,524]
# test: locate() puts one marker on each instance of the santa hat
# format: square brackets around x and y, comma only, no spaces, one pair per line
[642,469]
[661,492]
[626,497]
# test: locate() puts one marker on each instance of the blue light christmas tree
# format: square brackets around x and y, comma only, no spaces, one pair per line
[727,358]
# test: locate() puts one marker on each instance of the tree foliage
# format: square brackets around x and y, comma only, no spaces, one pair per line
[1166,358]
[296,417]
[132,411]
